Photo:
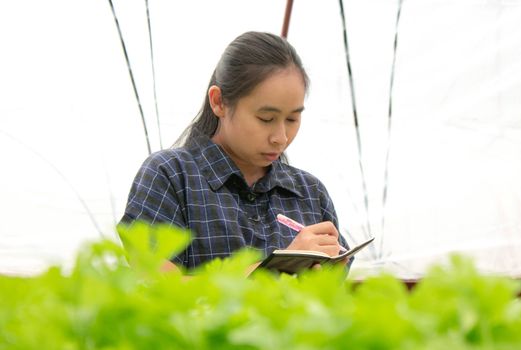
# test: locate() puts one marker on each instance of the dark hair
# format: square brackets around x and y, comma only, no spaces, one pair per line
[247,61]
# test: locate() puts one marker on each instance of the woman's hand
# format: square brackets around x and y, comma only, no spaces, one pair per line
[321,237]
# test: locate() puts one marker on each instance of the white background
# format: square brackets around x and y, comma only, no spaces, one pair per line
[71,137]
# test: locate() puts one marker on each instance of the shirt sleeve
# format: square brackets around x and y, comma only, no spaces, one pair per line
[154,195]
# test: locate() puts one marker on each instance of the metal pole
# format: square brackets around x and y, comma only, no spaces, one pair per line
[287,17]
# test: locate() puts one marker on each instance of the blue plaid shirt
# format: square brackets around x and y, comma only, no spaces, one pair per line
[200,188]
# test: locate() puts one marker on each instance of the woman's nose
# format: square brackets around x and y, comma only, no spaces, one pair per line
[278,136]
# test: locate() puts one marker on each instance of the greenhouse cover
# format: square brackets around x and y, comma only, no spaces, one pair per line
[437,95]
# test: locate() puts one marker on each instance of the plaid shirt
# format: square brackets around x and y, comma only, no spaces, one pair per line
[200,188]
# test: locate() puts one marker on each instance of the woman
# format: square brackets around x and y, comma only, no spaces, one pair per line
[228,180]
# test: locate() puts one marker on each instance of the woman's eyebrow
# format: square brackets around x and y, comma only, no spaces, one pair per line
[276,110]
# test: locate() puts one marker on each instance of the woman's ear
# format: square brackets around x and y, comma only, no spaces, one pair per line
[216,101]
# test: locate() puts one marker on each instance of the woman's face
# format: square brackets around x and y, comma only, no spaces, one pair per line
[264,123]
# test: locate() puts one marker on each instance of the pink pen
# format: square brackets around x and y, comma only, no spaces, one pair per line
[292,224]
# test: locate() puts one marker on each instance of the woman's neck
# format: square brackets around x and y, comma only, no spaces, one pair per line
[250,172]
[252,177]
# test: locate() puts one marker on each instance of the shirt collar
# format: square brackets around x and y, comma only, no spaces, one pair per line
[279,175]
[217,167]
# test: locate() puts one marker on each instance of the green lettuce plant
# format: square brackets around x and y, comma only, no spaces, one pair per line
[116,297]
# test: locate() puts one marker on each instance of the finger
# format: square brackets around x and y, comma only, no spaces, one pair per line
[326,240]
[329,249]
[316,267]
[324,228]
[344,261]
[313,237]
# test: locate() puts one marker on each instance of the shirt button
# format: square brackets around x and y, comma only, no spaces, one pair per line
[251,197]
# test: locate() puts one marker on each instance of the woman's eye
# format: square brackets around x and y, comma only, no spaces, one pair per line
[265,120]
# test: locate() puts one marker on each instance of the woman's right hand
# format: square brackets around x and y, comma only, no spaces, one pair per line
[321,237]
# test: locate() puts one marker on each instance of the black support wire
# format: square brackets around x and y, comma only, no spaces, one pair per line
[355,116]
[153,74]
[389,119]
[131,76]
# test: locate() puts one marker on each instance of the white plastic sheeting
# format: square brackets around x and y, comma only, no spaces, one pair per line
[71,137]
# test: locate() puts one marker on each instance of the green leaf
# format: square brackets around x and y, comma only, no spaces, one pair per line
[103,303]
[149,246]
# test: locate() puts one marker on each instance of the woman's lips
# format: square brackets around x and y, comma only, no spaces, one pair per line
[271,156]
